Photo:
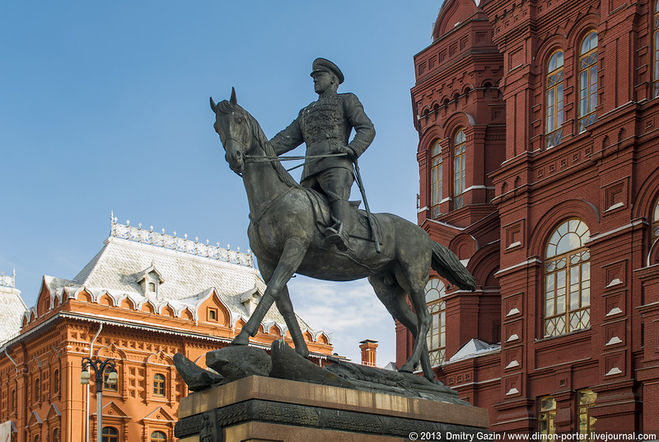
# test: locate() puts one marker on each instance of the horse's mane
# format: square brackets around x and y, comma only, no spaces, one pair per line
[255,128]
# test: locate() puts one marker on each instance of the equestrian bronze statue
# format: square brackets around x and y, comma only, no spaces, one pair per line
[288,234]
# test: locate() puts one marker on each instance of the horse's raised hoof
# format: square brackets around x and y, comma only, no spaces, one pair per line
[241,339]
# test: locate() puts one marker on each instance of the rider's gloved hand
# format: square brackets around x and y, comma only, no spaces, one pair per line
[346,150]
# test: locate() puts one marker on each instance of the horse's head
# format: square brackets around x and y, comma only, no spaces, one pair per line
[233,128]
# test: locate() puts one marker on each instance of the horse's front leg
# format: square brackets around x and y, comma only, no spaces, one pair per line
[289,261]
[285,307]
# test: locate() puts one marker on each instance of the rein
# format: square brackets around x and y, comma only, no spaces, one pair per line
[264,158]
[271,158]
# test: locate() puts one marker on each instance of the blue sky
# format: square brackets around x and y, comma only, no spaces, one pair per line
[104,106]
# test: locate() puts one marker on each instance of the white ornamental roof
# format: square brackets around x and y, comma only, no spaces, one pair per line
[12,308]
[187,273]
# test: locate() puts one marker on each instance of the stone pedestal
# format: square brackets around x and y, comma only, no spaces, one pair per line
[269,409]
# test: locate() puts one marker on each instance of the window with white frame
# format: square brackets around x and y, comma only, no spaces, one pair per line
[436,175]
[588,81]
[567,279]
[459,168]
[435,292]
[554,95]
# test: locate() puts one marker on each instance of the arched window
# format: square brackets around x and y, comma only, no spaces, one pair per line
[435,291]
[158,436]
[567,279]
[37,390]
[56,437]
[546,415]
[554,99]
[159,384]
[656,49]
[587,81]
[36,438]
[459,168]
[586,399]
[56,381]
[110,434]
[13,401]
[436,173]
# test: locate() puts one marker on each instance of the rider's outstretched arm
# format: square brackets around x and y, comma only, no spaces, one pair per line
[287,139]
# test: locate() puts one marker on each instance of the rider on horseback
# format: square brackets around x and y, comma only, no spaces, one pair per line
[325,126]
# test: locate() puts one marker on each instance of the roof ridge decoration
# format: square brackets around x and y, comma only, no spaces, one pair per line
[8,280]
[172,242]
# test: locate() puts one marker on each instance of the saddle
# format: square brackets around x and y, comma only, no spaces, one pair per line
[359,225]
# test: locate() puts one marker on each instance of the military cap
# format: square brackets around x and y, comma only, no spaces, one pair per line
[324,65]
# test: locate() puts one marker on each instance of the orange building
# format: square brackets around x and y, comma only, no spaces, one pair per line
[142,298]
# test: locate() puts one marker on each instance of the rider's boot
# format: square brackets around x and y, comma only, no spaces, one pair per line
[338,233]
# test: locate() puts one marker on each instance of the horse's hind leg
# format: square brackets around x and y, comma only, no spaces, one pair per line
[393,298]
[413,275]
[408,319]
[289,261]
[389,294]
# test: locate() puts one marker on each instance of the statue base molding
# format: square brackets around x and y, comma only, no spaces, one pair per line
[269,409]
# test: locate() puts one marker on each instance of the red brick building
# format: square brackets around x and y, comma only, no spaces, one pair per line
[144,297]
[538,157]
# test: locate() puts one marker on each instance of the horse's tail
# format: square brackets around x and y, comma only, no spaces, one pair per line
[449,266]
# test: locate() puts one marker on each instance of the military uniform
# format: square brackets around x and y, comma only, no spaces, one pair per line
[325,126]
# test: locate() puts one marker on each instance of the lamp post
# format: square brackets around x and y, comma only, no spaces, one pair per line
[100,367]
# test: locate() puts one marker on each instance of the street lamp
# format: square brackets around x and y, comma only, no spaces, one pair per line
[100,367]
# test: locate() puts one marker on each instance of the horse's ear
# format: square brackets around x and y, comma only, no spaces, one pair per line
[213,105]
[233,97]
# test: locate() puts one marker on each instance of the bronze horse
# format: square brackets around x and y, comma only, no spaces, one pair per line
[284,236]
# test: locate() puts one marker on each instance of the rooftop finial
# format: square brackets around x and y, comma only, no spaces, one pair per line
[8,281]
[113,221]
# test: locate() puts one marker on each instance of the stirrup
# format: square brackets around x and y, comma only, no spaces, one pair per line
[337,238]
